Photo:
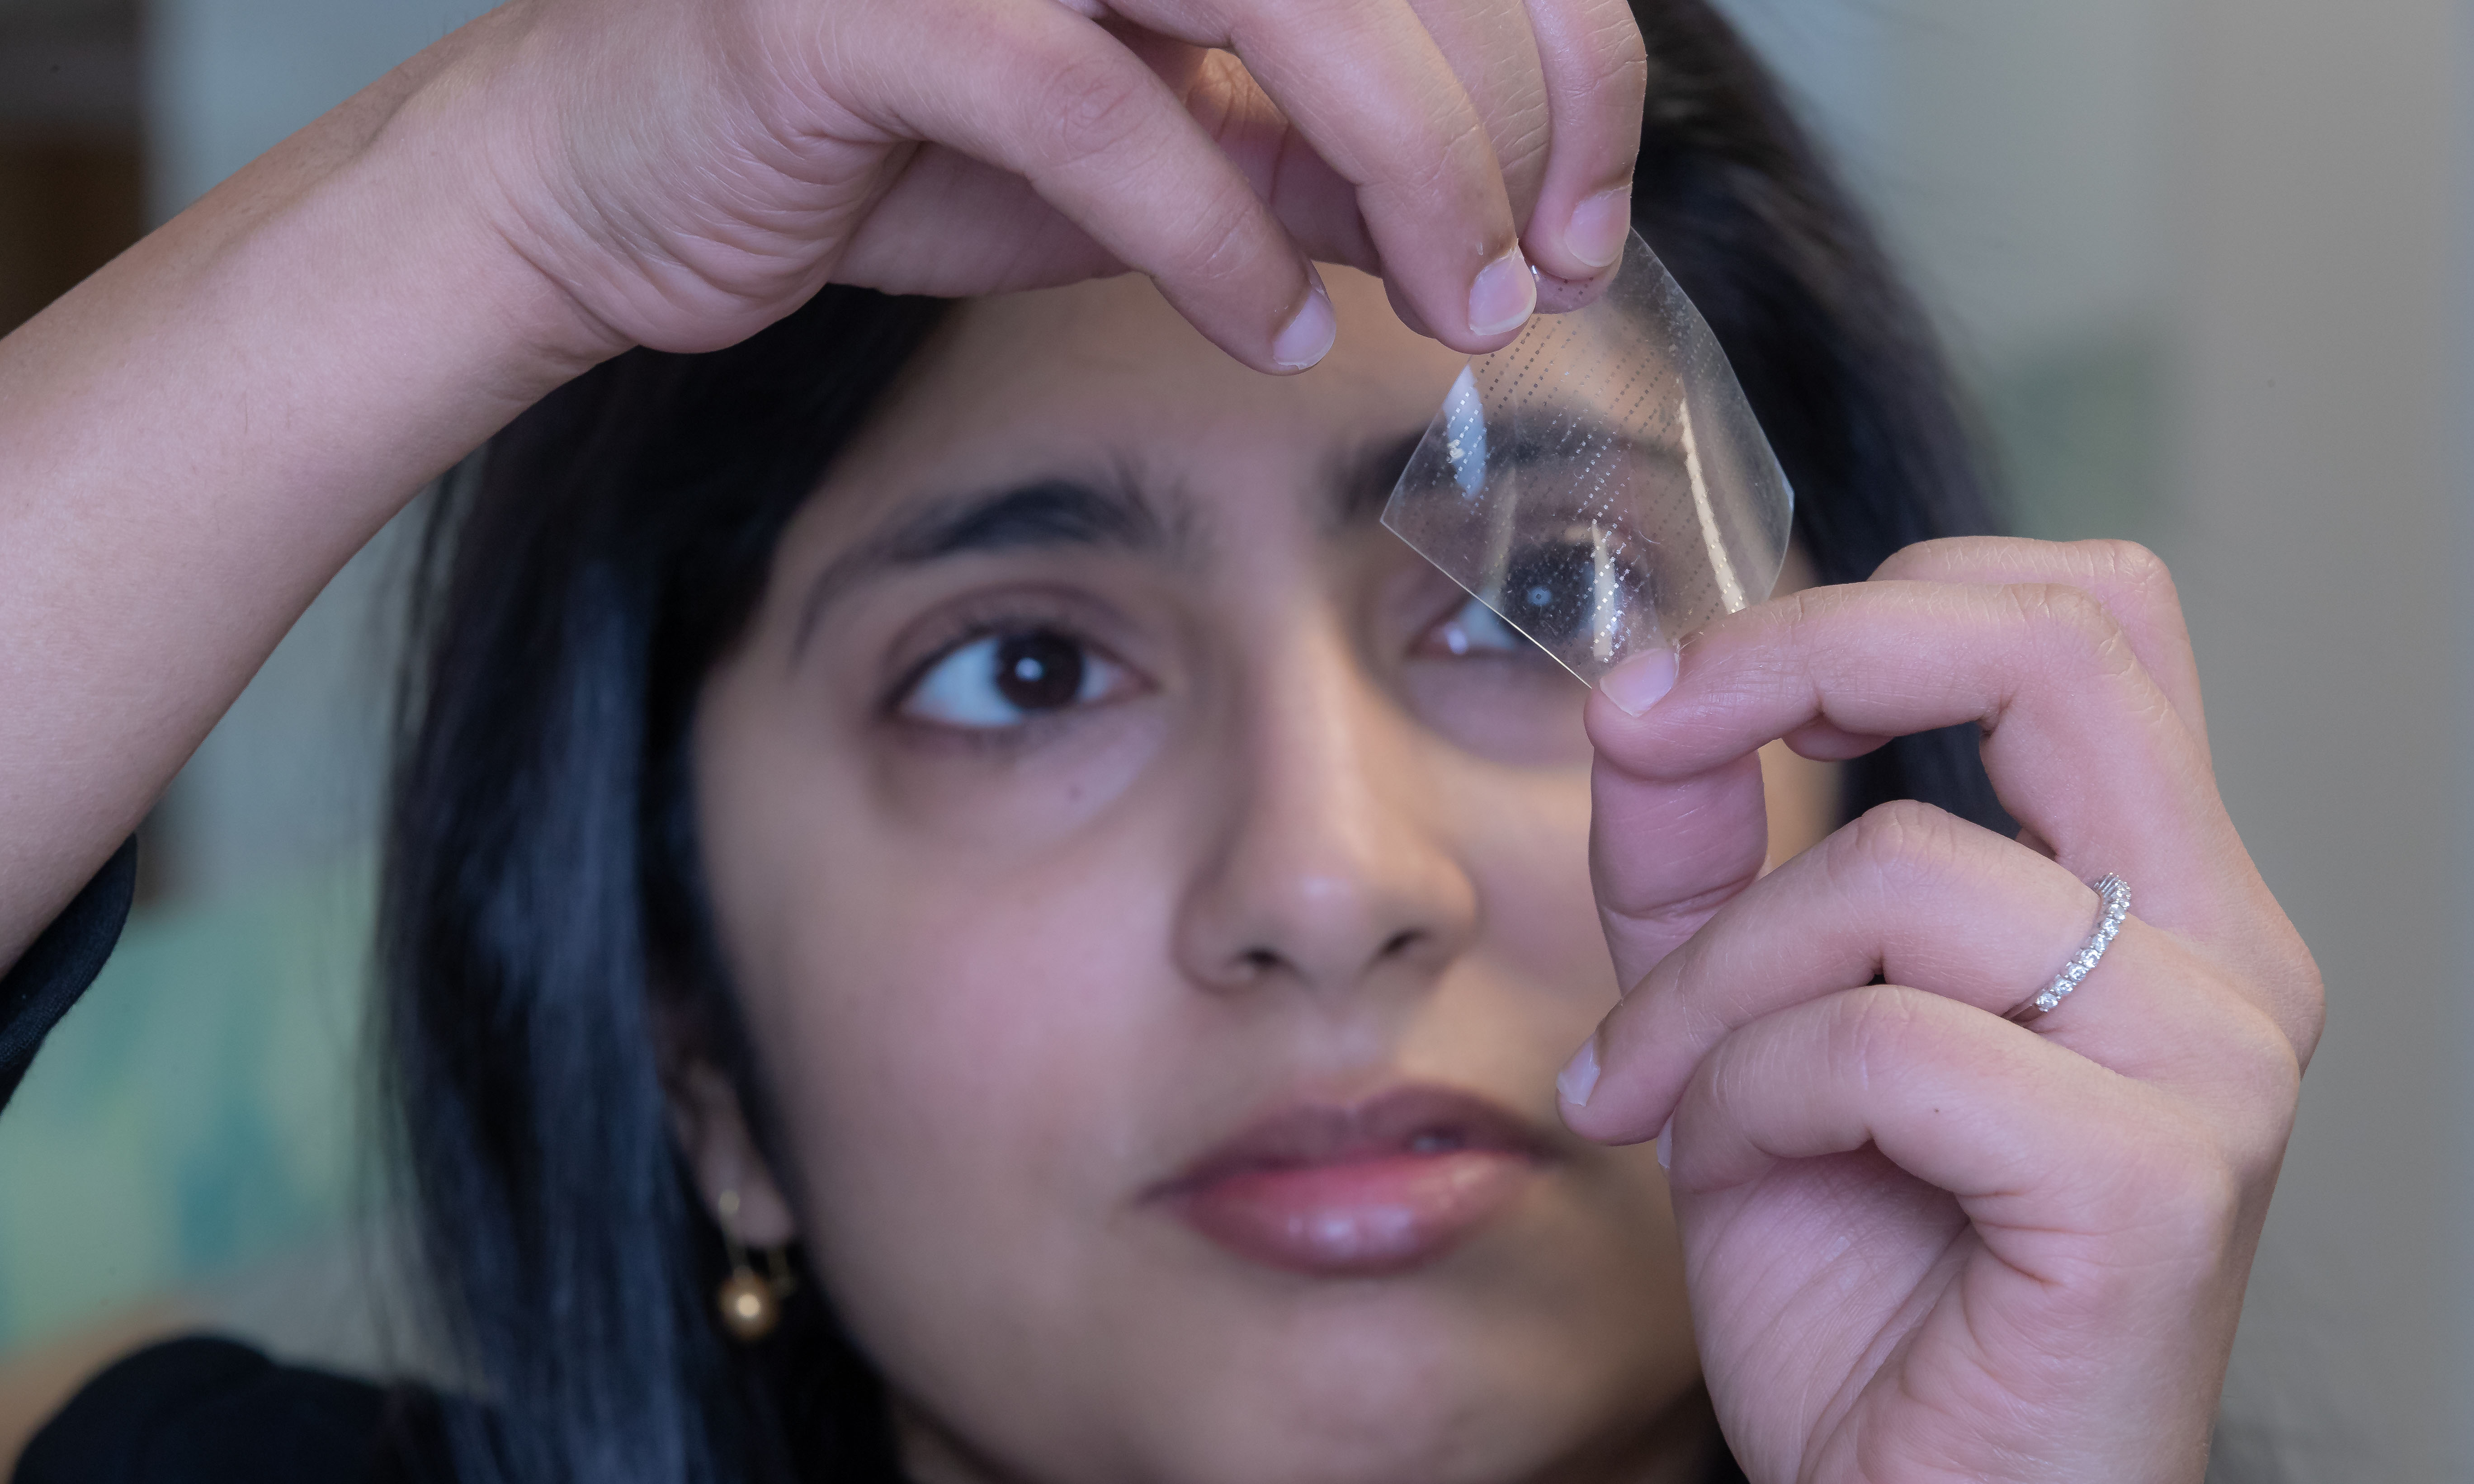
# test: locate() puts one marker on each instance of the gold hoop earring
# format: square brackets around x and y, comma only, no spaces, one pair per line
[750,1302]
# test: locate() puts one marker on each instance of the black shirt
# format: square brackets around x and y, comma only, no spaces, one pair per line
[209,1411]
[198,1410]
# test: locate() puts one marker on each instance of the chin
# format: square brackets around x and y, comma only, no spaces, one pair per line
[1545,1344]
[1405,1380]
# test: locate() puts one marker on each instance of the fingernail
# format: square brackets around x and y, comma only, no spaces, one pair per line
[1666,1145]
[1641,683]
[1503,295]
[1579,1077]
[1306,339]
[1600,226]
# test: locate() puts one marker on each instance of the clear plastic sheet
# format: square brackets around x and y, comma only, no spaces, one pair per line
[1601,483]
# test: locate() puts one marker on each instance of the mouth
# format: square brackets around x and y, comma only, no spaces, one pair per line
[1378,1187]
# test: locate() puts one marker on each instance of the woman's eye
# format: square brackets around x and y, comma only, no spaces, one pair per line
[1004,680]
[1475,629]
[1553,587]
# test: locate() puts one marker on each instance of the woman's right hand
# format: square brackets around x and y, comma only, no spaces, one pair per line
[687,173]
[194,439]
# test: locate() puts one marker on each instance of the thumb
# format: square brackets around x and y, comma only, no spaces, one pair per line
[1664,854]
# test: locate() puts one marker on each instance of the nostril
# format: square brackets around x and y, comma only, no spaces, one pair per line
[1259,962]
[1400,943]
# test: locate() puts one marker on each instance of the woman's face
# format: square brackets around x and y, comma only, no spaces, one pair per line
[1159,900]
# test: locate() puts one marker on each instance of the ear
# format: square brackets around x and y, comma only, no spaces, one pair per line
[712,1130]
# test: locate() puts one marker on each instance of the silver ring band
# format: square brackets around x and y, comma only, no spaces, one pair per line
[2115,893]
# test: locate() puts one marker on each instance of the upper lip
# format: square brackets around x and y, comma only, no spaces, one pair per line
[1400,1120]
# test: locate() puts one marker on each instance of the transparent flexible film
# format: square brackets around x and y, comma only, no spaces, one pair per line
[1601,483]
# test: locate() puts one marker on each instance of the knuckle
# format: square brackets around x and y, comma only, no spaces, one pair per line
[2063,605]
[1215,248]
[1089,106]
[1610,38]
[2071,619]
[1866,1026]
[2197,1194]
[1943,556]
[2135,568]
[1903,840]
[2169,1193]
[1461,151]
[2262,1086]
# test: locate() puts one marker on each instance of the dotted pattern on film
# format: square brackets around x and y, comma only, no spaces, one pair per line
[1601,483]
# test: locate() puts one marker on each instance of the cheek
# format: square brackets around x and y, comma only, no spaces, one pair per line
[995,810]
[952,1048]
[1532,861]
[940,968]
[976,1087]
[954,974]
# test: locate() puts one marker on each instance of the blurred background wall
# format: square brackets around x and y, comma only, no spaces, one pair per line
[2204,264]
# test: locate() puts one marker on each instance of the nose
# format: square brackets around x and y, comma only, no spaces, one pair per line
[1327,867]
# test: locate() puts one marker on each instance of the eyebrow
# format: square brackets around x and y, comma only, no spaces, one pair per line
[1055,512]
[1557,431]
[1042,514]
[1362,485]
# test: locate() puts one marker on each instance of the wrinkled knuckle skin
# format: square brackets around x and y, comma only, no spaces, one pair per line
[2069,619]
[1089,105]
[2137,568]
[1942,557]
[1456,151]
[1902,844]
[1217,255]
[1866,1026]
[1619,57]
[2064,606]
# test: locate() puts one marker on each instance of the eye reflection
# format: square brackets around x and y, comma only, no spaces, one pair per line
[1004,679]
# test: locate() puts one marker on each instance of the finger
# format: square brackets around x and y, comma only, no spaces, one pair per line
[1372,91]
[1665,855]
[1913,896]
[2131,581]
[2041,1147]
[2083,748]
[1491,49]
[2107,1238]
[953,226]
[1314,202]
[1051,96]
[1596,74]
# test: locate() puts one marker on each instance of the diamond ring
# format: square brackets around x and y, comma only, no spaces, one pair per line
[2115,893]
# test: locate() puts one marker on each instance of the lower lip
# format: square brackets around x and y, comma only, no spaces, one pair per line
[1364,1218]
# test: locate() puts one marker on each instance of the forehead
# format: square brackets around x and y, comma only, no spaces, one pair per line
[1103,382]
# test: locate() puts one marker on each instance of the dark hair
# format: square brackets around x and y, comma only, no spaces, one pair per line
[542,911]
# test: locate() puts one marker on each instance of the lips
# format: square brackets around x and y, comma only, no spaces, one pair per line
[1378,1187]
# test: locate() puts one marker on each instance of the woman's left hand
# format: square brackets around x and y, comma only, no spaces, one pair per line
[1926,1243]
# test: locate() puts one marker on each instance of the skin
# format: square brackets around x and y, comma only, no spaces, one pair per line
[999,975]
[1925,1243]
[1916,1242]
[197,438]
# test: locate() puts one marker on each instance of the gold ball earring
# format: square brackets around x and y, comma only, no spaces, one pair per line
[750,1302]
